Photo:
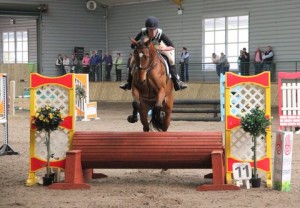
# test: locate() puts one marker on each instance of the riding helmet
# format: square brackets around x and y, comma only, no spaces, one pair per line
[151,23]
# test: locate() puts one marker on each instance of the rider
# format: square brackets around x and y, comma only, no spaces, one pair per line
[164,45]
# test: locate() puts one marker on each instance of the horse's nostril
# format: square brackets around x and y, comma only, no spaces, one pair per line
[142,81]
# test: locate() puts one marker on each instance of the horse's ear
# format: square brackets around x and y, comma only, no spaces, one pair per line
[133,41]
[146,40]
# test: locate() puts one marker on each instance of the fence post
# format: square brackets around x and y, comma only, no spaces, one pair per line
[12,94]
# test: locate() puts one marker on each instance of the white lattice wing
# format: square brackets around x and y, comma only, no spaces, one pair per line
[54,96]
[241,144]
[245,97]
[59,144]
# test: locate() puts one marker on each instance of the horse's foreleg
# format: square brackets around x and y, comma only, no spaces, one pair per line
[144,117]
[160,97]
[135,105]
[133,118]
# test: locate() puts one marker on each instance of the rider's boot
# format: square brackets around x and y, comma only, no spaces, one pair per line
[178,85]
[127,85]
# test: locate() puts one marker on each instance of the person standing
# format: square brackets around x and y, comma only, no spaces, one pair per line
[66,63]
[129,67]
[243,62]
[215,60]
[59,64]
[267,58]
[184,61]
[239,61]
[118,61]
[94,63]
[224,64]
[86,63]
[108,65]
[258,61]
[247,62]
[74,64]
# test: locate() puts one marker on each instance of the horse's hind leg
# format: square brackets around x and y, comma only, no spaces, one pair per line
[133,118]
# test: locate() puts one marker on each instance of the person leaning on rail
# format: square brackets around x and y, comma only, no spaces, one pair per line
[164,45]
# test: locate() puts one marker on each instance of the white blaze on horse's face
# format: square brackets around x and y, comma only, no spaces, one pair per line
[141,56]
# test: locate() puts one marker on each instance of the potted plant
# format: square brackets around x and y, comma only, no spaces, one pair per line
[81,95]
[255,123]
[47,118]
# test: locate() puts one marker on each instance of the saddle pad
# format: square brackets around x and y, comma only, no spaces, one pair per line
[166,64]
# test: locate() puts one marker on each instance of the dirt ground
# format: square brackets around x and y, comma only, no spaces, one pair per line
[132,188]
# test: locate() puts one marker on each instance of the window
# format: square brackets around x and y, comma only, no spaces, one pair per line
[15,47]
[225,34]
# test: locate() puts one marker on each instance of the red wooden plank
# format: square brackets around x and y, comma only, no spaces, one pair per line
[147,149]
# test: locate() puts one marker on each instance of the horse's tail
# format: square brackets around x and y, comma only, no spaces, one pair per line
[157,118]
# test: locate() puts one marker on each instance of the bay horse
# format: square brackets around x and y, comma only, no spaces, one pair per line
[152,89]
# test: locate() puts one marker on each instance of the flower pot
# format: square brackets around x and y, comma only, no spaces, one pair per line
[256,182]
[47,180]
[52,175]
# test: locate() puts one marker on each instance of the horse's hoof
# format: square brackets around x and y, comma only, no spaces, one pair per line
[132,119]
[162,115]
[146,129]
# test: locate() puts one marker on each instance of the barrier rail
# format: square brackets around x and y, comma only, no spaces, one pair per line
[195,107]
[147,150]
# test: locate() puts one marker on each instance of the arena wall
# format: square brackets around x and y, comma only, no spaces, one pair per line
[110,91]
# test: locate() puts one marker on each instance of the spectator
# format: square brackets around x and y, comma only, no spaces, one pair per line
[243,62]
[215,60]
[86,63]
[247,62]
[258,61]
[66,63]
[73,63]
[108,65]
[129,67]
[184,61]
[224,64]
[59,64]
[94,64]
[239,61]
[118,61]
[267,58]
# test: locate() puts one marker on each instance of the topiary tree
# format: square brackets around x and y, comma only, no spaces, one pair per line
[255,123]
[47,118]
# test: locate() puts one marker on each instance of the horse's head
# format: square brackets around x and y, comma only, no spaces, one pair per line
[143,52]
[143,55]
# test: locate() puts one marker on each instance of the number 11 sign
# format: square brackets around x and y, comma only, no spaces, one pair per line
[241,171]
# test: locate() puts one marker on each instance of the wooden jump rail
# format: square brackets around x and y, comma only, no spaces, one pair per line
[144,150]
[179,109]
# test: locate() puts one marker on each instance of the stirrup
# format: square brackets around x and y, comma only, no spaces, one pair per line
[180,86]
[124,86]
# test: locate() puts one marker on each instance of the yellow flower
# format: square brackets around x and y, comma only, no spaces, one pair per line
[37,114]
[47,120]
[50,115]
[41,117]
